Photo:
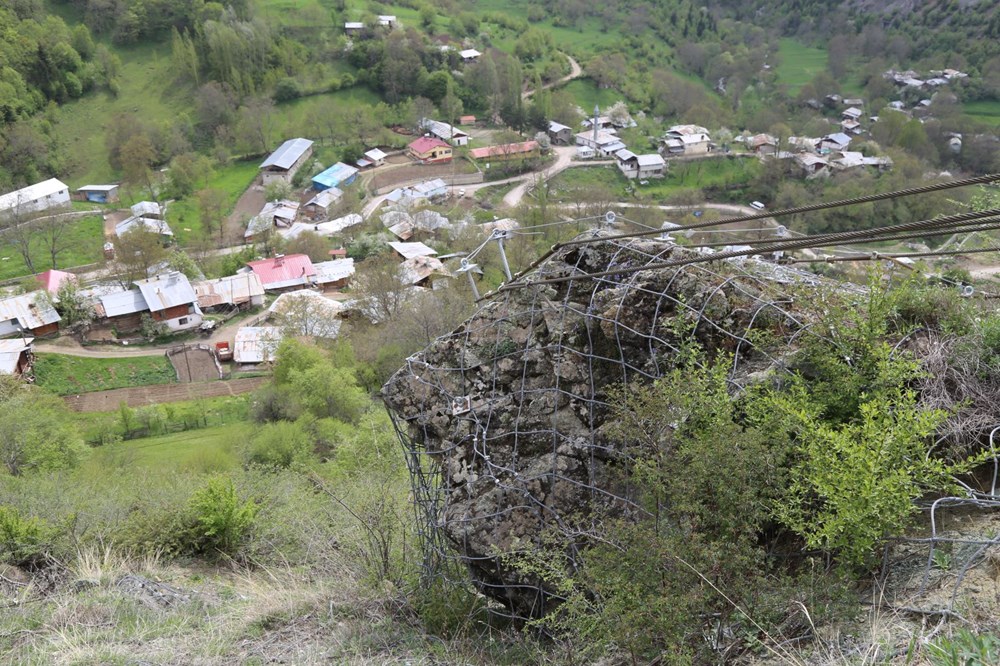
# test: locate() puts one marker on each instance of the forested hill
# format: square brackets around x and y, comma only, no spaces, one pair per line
[963,29]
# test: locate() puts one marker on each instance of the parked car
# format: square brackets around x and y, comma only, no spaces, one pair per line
[756,205]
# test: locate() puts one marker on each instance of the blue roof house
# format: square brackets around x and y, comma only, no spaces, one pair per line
[338,175]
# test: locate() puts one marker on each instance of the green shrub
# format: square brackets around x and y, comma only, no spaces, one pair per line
[222,520]
[24,542]
[279,445]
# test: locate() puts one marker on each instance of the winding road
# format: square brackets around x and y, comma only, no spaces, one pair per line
[575,71]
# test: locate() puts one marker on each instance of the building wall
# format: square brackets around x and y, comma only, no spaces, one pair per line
[696,148]
[48,329]
[268,176]
[57,201]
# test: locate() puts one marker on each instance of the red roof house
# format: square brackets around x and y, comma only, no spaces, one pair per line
[428,149]
[52,279]
[284,272]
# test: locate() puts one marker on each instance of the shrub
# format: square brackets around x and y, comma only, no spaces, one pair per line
[222,520]
[278,445]
[23,541]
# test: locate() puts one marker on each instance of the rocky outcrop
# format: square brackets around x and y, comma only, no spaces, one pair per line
[503,417]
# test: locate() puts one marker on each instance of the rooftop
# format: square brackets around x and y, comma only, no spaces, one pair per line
[427,143]
[31,193]
[256,344]
[411,250]
[287,154]
[283,271]
[32,310]
[166,291]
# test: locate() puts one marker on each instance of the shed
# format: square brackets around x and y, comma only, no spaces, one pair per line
[148,209]
[466,120]
[334,274]
[338,175]
[150,224]
[319,206]
[256,344]
[469,55]
[99,193]
[32,312]
[242,289]
[411,250]
[387,20]
[15,356]
[375,156]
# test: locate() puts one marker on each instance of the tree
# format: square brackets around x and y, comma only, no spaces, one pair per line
[72,306]
[380,289]
[137,158]
[188,171]
[136,252]
[36,431]
[53,232]
[212,210]
[255,125]
[309,243]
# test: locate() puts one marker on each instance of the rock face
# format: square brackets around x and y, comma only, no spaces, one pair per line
[503,417]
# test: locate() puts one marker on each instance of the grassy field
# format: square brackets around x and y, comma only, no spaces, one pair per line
[574,184]
[587,94]
[69,375]
[799,63]
[233,179]
[85,239]
[205,449]
[987,111]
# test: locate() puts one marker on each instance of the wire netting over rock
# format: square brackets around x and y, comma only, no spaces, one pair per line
[503,418]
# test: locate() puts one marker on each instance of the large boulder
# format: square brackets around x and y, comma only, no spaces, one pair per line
[503,418]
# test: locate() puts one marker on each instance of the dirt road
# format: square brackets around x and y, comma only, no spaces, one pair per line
[574,72]
[140,396]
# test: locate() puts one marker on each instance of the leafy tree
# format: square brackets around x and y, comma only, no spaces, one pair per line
[36,431]
[313,245]
[137,158]
[222,519]
[212,210]
[279,445]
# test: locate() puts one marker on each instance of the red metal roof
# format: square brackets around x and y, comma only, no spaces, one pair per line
[504,150]
[427,143]
[283,269]
[52,279]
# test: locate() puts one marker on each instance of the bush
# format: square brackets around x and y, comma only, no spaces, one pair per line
[23,541]
[222,520]
[287,90]
[279,445]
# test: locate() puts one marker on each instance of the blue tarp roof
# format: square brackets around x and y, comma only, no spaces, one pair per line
[338,174]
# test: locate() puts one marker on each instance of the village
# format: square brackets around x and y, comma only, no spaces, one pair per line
[287,293]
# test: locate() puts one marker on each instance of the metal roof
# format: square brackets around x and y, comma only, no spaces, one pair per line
[308,312]
[411,250]
[624,154]
[287,154]
[52,279]
[326,198]
[504,150]
[334,270]
[427,143]
[97,188]
[283,271]
[443,131]
[32,193]
[166,291]
[335,175]
[375,155]
[256,344]
[10,353]
[557,127]
[123,303]
[149,224]
[650,159]
[232,289]
[31,311]
[416,269]
[146,208]
[470,53]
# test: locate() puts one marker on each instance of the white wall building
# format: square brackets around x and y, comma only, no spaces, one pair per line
[47,195]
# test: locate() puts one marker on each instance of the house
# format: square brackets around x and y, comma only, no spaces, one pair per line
[241,290]
[372,158]
[833,100]
[640,166]
[559,133]
[469,55]
[429,150]
[16,356]
[812,165]
[152,225]
[338,175]
[284,272]
[445,132]
[686,140]
[585,152]
[122,310]
[854,101]
[279,214]
[256,344]
[508,151]
[334,274]
[763,144]
[283,163]
[387,20]
[411,250]
[852,113]
[47,195]
[28,313]
[330,227]
[850,126]
[466,120]
[602,122]
[603,143]
[307,312]
[171,301]
[422,271]
[52,280]
[353,27]
[833,143]
[99,193]
[319,206]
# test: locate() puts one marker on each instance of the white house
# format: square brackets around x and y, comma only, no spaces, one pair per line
[445,132]
[47,195]
[640,166]
[603,143]
[171,300]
